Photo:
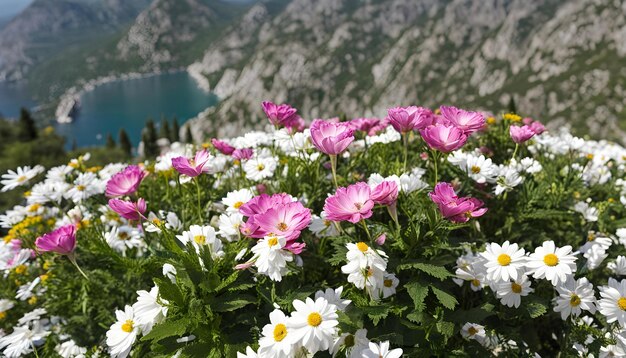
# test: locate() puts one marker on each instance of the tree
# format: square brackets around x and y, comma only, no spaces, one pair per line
[27,130]
[149,139]
[125,144]
[164,130]
[512,108]
[175,133]
[110,143]
[74,145]
[188,135]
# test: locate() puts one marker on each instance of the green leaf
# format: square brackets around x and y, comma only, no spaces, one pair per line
[446,329]
[439,272]
[418,293]
[376,313]
[536,309]
[446,299]
[231,301]
[167,329]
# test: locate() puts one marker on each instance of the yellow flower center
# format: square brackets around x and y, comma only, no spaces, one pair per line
[280,332]
[327,223]
[622,303]
[44,277]
[358,206]
[81,187]
[32,300]
[20,269]
[472,331]
[260,167]
[238,204]
[388,283]
[282,226]
[491,120]
[3,315]
[123,236]
[589,156]
[156,221]
[591,236]
[574,300]
[516,288]
[475,169]
[273,241]
[504,260]
[22,179]
[34,207]
[475,283]
[314,319]
[349,341]
[199,239]
[128,326]
[362,246]
[551,260]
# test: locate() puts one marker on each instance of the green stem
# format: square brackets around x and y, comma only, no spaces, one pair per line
[366,230]
[73,261]
[333,168]
[515,151]
[405,141]
[197,181]
[435,160]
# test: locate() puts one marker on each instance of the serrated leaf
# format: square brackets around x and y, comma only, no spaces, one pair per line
[167,329]
[445,328]
[536,309]
[446,299]
[439,272]
[231,301]
[376,313]
[418,293]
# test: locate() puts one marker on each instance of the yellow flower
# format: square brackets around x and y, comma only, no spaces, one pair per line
[512,117]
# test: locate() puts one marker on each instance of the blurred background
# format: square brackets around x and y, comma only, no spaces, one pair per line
[89,68]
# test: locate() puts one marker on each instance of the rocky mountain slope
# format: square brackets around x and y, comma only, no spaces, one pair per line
[561,60]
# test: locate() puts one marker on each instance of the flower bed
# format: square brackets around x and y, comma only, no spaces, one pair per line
[422,234]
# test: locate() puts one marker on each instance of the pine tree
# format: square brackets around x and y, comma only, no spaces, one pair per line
[188,135]
[174,135]
[125,143]
[512,108]
[149,139]
[110,143]
[27,130]
[164,130]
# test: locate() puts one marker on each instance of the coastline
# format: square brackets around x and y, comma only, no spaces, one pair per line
[69,102]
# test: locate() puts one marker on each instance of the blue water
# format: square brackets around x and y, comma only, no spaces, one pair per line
[12,97]
[128,104]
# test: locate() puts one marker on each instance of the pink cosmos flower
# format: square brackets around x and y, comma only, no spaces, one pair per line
[125,182]
[296,124]
[286,220]
[257,206]
[331,138]
[128,209]
[444,138]
[193,167]
[351,204]
[406,119]
[521,134]
[468,122]
[454,208]
[385,193]
[243,154]
[62,240]
[279,115]
[537,127]
[371,126]
[222,146]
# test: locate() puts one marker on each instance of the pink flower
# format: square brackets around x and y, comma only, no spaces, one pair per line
[444,138]
[243,154]
[453,208]
[385,193]
[351,204]
[125,182]
[279,115]
[222,146]
[371,126]
[128,209]
[331,138]
[296,124]
[521,134]
[537,127]
[380,240]
[406,119]
[468,122]
[257,206]
[286,220]
[193,167]
[62,240]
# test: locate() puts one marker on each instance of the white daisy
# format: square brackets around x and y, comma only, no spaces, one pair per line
[354,344]
[275,341]
[574,296]
[334,297]
[474,331]
[250,353]
[613,302]
[313,324]
[271,259]
[123,333]
[235,199]
[504,262]
[169,271]
[259,168]
[589,213]
[618,267]
[149,309]
[552,263]
[5,305]
[21,176]
[480,169]
[126,237]
[168,220]
[22,340]
[69,349]
[202,236]
[510,293]
[390,282]
[381,351]
[229,224]
[508,178]
[322,227]
[361,255]
[84,186]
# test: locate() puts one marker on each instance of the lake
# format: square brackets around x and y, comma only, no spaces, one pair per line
[128,104]
[12,97]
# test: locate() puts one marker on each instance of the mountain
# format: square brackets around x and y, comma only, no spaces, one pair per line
[562,61]
[47,27]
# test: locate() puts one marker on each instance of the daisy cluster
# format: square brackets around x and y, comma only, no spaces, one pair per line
[434,232]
